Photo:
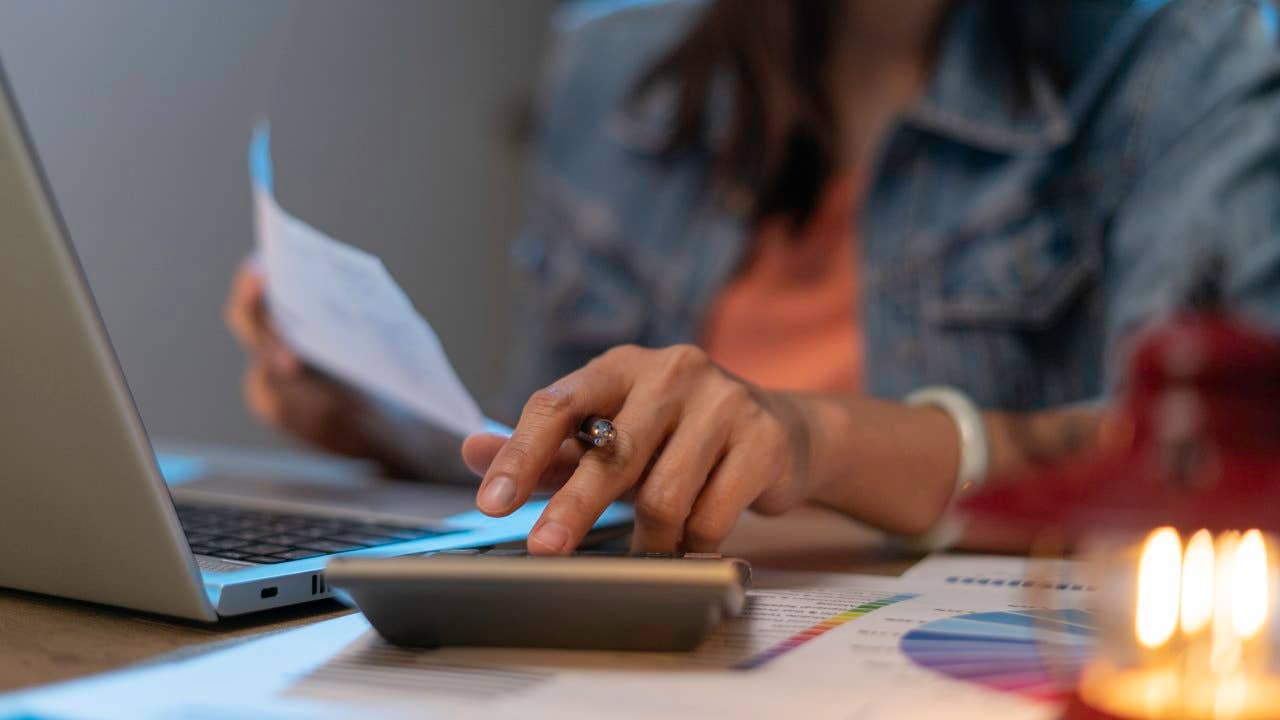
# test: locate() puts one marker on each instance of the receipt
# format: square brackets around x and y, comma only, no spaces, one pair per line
[341,311]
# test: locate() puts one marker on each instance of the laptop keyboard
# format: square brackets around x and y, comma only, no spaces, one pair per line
[265,538]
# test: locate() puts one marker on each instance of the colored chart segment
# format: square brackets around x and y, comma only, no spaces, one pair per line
[821,628]
[1037,654]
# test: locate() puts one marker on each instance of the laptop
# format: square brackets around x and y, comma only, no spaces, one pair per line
[85,511]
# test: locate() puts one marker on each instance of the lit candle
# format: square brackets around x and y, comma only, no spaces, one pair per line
[1159,575]
[1197,583]
[1249,597]
[1200,614]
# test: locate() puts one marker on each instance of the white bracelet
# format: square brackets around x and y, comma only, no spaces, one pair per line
[975,453]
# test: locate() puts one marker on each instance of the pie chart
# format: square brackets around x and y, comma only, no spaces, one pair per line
[1037,654]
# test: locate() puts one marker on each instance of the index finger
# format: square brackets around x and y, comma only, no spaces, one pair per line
[550,416]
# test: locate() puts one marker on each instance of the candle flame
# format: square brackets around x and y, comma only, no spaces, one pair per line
[1249,596]
[1159,580]
[1225,647]
[1197,582]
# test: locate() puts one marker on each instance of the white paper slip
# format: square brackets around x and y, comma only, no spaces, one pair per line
[341,311]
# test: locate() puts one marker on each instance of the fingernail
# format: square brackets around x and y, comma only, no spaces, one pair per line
[552,535]
[497,494]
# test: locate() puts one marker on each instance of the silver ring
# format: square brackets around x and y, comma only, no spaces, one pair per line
[597,431]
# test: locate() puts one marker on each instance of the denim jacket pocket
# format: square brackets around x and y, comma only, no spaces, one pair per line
[1023,276]
[572,251]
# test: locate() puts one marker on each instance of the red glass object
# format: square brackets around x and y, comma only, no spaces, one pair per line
[1194,444]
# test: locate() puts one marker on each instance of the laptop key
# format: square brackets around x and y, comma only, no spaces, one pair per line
[208,528]
[229,554]
[227,543]
[327,546]
[203,549]
[263,559]
[283,526]
[362,539]
[284,539]
[404,533]
[299,554]
[328,522]
[263,549]
[199,538]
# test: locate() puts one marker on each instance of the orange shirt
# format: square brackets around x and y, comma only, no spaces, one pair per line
[789,320]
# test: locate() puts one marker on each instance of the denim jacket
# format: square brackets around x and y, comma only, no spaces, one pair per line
[1007,248]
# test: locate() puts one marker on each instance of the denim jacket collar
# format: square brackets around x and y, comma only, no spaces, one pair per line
[970,99]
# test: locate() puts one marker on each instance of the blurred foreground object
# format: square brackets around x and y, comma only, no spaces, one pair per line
[1176,513]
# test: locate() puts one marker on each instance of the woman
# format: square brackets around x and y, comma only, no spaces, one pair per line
[759,226]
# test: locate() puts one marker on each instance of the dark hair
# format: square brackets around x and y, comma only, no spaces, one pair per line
[784,136]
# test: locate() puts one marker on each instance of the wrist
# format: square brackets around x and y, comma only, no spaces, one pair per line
[795,413]
[887,464]
[828,425]
[972,459]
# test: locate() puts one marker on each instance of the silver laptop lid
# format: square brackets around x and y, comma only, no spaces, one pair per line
[84,512]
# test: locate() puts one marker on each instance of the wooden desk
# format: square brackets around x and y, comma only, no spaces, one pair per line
[44,639]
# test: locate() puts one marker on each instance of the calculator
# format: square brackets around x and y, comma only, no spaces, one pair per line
[508,598]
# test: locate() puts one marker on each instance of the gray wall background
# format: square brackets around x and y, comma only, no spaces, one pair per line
[393,129]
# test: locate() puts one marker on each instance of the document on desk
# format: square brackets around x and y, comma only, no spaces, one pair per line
[959,654]
[813,646]
[341,310]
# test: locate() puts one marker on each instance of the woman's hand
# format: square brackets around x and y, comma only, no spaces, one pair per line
[696,446]
[286,394]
